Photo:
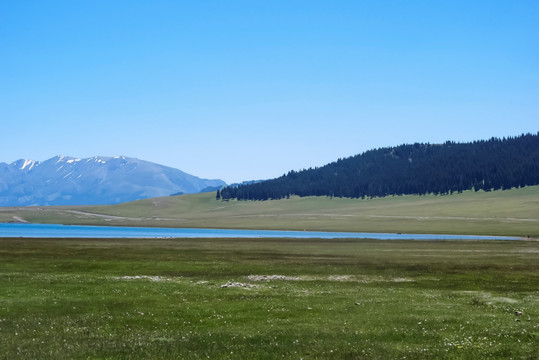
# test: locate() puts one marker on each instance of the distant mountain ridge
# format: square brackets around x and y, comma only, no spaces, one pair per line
[410,169]
[64,180]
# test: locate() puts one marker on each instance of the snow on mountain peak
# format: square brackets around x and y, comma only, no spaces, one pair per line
[28,163]
[97,159]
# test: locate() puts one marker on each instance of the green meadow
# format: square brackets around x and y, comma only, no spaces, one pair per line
[268,299]
[278,298]
[512,212]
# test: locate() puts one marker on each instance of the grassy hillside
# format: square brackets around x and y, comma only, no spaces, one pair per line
[510,212]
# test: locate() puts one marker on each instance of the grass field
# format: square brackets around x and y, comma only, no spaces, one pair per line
[511,212]
[268,299]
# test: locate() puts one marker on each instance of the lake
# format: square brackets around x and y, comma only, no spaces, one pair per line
[78,231]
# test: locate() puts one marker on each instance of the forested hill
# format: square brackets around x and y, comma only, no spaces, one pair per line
[410,169]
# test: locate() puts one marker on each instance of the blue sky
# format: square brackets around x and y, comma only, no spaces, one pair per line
[242,90]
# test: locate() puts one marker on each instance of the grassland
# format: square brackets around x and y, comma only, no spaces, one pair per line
[277,298]
[320,299]
[511,212]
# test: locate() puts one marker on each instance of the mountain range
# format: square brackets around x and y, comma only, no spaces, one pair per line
[64,180]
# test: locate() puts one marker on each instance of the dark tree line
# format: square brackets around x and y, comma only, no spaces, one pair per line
[410,169]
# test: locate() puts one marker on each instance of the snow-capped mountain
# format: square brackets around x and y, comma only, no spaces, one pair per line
[64,180]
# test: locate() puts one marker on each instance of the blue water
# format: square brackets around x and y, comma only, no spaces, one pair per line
[76,231]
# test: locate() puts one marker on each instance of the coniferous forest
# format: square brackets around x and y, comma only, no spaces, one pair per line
[409,169]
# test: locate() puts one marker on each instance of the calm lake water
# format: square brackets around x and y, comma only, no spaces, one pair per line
[76,231]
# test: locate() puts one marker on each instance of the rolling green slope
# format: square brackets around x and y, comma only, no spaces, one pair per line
[511,212]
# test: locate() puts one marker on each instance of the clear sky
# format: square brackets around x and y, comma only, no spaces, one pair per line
[243,90]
